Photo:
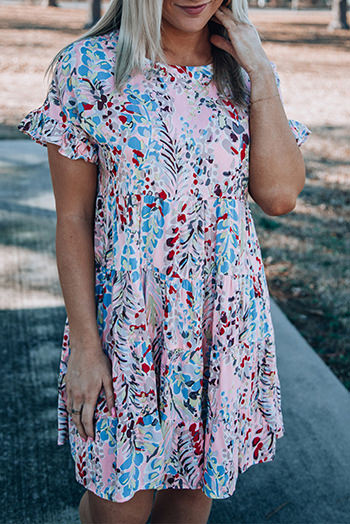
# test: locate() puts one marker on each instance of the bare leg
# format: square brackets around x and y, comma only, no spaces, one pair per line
[84,510]
[96,510]
[181,506]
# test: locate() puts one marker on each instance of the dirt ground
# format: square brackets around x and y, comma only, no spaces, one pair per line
[306,252]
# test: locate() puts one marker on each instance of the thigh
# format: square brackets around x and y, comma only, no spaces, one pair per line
[183,494]
[181,505]
[133,511]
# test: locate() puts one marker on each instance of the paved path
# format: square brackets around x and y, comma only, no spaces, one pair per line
[309,480]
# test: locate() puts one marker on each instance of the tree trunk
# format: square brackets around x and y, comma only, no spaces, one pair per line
[94,12]
[338,21]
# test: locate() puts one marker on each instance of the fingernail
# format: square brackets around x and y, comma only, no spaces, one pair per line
[114,412]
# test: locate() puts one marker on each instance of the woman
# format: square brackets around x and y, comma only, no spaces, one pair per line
[158,122]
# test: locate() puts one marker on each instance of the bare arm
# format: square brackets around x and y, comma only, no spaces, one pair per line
[74,184]
[277,171]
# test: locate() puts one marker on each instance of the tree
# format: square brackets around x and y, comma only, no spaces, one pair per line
[95,12]
[338,21]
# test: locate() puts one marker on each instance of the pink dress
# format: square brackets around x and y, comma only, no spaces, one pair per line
[181,296]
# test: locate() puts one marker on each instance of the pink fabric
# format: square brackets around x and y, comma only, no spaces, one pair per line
[182,301]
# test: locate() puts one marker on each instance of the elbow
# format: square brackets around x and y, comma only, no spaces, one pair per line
[283,200]
[280,205]
[280,198]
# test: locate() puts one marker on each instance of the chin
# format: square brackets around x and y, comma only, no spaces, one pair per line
[183,22]
[190,26]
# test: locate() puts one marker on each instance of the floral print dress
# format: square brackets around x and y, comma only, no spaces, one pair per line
[182,303]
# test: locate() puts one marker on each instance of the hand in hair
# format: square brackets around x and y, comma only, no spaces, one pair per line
[244,43]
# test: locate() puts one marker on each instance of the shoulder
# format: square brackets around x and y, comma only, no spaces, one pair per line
[89,59]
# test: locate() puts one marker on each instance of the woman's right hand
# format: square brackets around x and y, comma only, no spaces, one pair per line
[88,368]
[88,371]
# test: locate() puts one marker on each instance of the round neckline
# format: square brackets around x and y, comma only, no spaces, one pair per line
[202,74]
[178,66]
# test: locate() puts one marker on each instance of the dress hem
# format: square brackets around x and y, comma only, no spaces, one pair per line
[91,486]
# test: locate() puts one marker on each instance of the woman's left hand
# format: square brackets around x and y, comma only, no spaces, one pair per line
[244,45]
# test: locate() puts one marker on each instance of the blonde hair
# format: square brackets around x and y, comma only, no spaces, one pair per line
[139,26]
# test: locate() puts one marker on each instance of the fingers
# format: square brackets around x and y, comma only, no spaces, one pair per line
[87,416]
[77,421]
[81,398]
[84,419]
[76,404]
[220,41]
[108,387]
[225,17]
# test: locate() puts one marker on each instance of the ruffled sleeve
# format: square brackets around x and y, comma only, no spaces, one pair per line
[57,120]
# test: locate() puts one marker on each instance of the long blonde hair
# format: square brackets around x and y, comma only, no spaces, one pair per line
[139,26]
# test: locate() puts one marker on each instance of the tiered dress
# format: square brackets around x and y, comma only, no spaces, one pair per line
[182,302]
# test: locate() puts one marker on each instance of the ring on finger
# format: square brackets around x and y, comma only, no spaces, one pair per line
[75,411]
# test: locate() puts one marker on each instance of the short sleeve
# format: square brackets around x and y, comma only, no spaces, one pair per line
[57,120]
[300,131]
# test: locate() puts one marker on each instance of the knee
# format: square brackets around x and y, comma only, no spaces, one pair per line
[133,511]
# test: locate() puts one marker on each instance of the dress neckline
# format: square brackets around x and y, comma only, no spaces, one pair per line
[177,66]
[201,73]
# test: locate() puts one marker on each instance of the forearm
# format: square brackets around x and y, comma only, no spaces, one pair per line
[75,263]
[277,172]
